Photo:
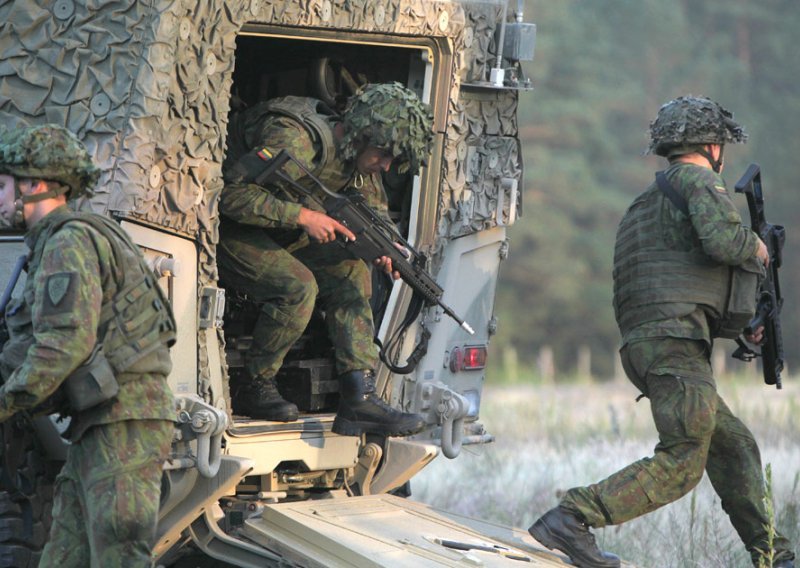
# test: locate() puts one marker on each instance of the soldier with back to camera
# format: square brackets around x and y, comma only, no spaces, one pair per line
[381,125]
[678,248]
[89,337]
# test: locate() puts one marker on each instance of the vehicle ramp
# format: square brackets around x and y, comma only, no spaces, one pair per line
[380,531]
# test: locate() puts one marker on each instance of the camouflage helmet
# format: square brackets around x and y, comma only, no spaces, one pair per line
[390,117]
[48,152]
[687,122]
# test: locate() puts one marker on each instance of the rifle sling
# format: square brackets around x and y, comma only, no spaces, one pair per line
[419,351]
[670,193]
[249,167]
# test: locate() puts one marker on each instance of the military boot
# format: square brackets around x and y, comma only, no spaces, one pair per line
[261,400]
[561,529]
[362,411]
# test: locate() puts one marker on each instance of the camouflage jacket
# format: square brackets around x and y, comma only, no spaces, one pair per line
[57,319]
[714,226]
[274,207]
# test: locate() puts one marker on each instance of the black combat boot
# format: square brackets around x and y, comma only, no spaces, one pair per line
[561,529]
[361,411]
[261,400]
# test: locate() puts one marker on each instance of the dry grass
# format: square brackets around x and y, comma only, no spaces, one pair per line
[550,438]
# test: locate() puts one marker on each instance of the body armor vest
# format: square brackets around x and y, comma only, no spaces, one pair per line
[312,114]
[138,319]
[653,282]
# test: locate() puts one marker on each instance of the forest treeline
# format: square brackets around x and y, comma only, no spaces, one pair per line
[602,69]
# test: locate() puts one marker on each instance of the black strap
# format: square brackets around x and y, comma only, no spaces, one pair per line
[385,352]
[248,167]
[670,193]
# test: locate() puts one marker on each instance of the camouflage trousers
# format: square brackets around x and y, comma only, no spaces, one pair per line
[697,432]
[288,285]
[107,496]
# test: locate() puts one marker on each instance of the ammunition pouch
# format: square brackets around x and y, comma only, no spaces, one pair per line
[745,282]
[134,323]
[91,384]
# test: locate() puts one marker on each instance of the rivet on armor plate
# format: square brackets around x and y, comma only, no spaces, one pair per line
[255,7]
[155,176]
[444,21]
[211,63]
[469,36]
[380,15]
[100,104]
[63,9]
[184,28]
[327,11]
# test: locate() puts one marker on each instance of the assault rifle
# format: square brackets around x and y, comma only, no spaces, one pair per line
[375,237]
[770,301]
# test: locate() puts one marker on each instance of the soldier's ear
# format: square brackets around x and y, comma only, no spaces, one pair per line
[39,186]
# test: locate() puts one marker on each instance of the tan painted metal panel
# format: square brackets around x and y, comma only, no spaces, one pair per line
[384,531]
[317,448]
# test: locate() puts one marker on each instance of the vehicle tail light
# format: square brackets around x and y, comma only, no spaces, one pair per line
[470,358]
[474,357]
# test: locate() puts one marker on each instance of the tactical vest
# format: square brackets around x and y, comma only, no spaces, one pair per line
[138,319]
[653,282]
[312,114]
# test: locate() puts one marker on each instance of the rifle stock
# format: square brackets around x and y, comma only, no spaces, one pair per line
[770,300]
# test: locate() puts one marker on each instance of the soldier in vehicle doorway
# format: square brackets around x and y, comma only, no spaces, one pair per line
[91,315]
[382,124]
[678,247]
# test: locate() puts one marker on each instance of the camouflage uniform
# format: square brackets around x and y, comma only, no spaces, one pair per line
[107,494]
[666,354]
[264,253]
[259,224]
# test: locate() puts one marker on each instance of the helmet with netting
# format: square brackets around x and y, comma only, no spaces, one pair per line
[51,153]
[390,117]
[685,123]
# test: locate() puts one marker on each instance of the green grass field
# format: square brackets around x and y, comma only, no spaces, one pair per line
[550,438]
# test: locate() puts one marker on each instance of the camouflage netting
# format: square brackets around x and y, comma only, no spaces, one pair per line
[481,148]
[481,152]
[145,86]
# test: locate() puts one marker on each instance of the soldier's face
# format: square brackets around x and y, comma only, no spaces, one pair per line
[373,160]
[7,198]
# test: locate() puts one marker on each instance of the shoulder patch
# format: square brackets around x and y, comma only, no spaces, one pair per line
[59,292]
[720,189]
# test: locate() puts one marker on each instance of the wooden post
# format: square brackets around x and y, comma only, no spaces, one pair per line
[585,362]
[511,363]
[546,364]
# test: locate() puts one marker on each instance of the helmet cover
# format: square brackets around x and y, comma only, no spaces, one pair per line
[690,121]
[48,152]
[391,117]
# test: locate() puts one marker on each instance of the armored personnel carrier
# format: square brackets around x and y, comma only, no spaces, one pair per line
[149,87]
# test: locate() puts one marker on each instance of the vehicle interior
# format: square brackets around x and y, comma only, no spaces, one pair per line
[269,66]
